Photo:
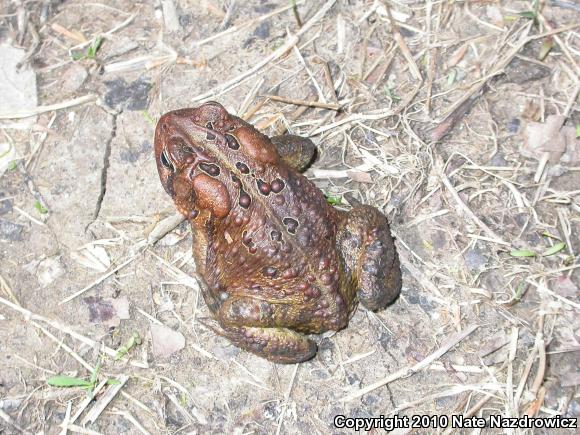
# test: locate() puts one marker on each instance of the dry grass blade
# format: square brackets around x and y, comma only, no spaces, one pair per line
[49,108]
[303,102]
[407,371]
[250,23]
[279,52]
[105,399]
[99,280]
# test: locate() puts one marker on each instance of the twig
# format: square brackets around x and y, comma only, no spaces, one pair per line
[82,430]
[403,47]
[421,278]
[107,33]
[407,371]
[163,227]
[105,399]
[559,41]
[371,115]
[66,419]
[228,17]
[8,291]
[170,18]
[29,315]
[281,51]
[42,109]
[87,401]
[98,280]
[545,289]
[133,420]
[66,347]
[250,96]
[297,102]
[295,12]
[466,210]
[33,190]
[462,106]
[286,397]
[29,216]
[226,86]
[9,421]
[250,23]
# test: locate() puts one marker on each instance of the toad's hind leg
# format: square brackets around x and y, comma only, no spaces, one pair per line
[258,326]
[370,255]
[279,345]
[295,151]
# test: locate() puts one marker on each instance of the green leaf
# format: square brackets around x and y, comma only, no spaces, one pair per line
[148,117]
[554,249]
[95,373]
[12,165]
[545,48]
[77,55]
[40,208]
[67,381]
[527,14]
[94,47]
[550,235]
[520,290]
[392,95]
[577,130]
[522,253]
[451,77]
[134,340]
[333,200]
[112,381]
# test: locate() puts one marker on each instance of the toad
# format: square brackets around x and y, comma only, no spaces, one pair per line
[276,262]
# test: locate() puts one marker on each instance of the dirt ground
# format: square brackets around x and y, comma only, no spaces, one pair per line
[459,120]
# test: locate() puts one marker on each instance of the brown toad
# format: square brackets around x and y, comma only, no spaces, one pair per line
[277,262]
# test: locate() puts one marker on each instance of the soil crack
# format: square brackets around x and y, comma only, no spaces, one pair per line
[105,168]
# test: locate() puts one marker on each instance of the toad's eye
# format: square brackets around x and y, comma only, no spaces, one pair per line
[165,161]
[209,136]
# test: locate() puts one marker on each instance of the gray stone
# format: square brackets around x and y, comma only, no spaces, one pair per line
[10,231]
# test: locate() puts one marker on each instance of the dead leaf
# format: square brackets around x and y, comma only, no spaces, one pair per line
[101,311]
[48,270]
[8,156]
[107,311]
[165,341]
[361,177]
[536,403]
[565,287]
[550,137]
[570,379]
[457,56]
[92,256]
[493,343]
[121,306]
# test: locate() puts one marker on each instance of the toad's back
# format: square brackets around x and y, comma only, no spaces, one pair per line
[276,259]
